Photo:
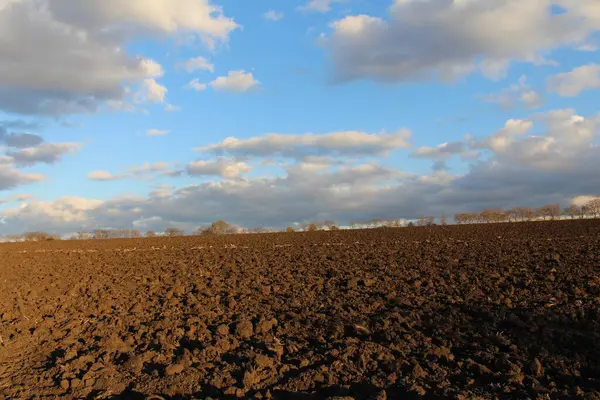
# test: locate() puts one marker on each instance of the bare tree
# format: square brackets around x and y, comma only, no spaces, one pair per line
[151,234]
[551,211]
[444,220]
[171,232]
[593,207]
[38,237]
[312,227]
[572,211]
[425,221]
[101,234]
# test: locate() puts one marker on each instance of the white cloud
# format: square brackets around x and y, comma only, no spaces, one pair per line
[142,171]
[151,92]
[196,85]
[343,143]
[223,167]
[11,178]
[172,108]
[571,84]
[47,153]
[147,167]
[425,39]
[321,6]
[548,157]
[519,93]
[105,176]
[196,64]
[273,15]
[157,132]
[235,81]
[76,58]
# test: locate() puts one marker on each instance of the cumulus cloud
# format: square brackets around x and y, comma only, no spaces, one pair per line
[76,60]
[573,83]
[11,178]
[196,64]
[343,143]
[48,153]
[105,176]
[196,85]
[19,140]
[157,132]
[142,171]
[235,81]
[549,157]
[517,94]
[273,15]
[222,167]
[440,39]
[321,6]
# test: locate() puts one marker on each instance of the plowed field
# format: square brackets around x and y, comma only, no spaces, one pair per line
[489,311]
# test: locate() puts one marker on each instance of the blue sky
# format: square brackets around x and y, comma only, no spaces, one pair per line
[334,81]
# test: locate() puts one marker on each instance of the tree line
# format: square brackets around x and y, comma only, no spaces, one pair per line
[591,209]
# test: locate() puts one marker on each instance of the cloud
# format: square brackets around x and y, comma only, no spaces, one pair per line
[343,143]
[105,176]
[445,40]
[76,60]
[151,92]
[172,108]
[196,64]
[222,167]
[235,81]
[48,153]
[19,140]
[137,171]
[11,178]
[157,132]
[273,15]
[573,83]
[196,85]
[321,6]
[552,156]
[519,93]
[147,167]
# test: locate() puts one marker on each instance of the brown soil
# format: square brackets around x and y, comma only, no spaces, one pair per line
[491,311]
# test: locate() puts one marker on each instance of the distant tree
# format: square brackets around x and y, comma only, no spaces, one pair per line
[259,229]
[410,224]
[572,211]
[593,207]
[217,228]
[551,211]
[289,229]
[82,236]
[312,227]
[512,215]
[100,234]
[444,220]
[171,232]
[151,234]
[334,228]
[39,237]
[425,221]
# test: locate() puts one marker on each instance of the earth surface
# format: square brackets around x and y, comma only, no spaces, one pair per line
[445,312]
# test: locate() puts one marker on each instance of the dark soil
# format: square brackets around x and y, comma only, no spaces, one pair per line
[460,312]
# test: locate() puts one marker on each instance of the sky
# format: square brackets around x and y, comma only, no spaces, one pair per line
[150,114]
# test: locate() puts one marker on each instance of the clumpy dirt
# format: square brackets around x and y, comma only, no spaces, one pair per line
[458,312]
